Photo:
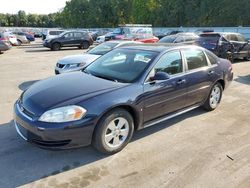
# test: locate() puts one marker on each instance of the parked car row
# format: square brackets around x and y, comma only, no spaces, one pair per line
[226,45]
[8,39]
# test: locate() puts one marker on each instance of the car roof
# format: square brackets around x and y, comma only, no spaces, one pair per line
[219,33]
[161,47]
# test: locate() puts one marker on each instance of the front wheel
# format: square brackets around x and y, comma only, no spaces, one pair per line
[214,97]
[56,46]
[113,131]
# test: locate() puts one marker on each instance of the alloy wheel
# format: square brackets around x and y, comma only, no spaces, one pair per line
[215,96]
[116,132]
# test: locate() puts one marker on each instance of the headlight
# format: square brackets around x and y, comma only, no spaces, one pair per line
[75,65]
[63,114]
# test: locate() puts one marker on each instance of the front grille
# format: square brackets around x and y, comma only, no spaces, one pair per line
[24,110]
[60,65]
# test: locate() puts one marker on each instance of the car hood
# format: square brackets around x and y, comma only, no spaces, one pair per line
[65,89]
[72,59]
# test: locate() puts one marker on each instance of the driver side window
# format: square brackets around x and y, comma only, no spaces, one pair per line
[170,63]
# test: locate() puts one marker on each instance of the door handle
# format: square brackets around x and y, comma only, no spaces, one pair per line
[211,72]
[182,81]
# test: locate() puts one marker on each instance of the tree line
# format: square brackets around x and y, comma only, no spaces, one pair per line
[159,13]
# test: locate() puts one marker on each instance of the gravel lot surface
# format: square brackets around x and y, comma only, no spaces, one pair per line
[197,149]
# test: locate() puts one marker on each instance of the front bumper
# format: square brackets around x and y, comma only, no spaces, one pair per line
[46,44]
[53,135]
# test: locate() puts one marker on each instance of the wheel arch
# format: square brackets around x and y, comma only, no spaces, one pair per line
[133,112]
[222,82]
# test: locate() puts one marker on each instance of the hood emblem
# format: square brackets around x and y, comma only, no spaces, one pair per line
[21,108]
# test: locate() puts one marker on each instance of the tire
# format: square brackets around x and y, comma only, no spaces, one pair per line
[114,131]
[247,57]
[230,56]
[85,45]
[19,43]
[214,97]
[56,46]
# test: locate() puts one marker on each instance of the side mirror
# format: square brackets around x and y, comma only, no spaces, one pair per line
[160,76]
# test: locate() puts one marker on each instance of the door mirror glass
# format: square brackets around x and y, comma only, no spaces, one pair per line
[160,76]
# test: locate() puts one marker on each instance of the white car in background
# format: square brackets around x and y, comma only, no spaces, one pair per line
[79,62]
[50,34]
[100,39]
[12,38]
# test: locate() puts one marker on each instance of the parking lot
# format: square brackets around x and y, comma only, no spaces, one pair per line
[197,149]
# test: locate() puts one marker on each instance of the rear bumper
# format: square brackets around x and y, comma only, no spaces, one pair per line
[53,135]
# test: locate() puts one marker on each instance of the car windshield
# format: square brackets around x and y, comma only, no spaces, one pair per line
[209,37]
[103,48]
[122,65]
[167,39]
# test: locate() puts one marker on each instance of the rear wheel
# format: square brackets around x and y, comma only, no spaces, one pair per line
[214,97]
[56,46]
[19,43]
[113,131]
[247,57]
[85,45]
[230,56]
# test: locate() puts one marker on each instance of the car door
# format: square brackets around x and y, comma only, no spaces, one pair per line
[244,46]
[68,39]
[165,96]
[78,38]
[199,75]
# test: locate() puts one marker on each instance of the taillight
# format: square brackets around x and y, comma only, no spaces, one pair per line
[4,39]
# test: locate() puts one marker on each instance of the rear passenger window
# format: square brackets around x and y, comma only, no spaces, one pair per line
[212,58]
[78,35]
[195,59]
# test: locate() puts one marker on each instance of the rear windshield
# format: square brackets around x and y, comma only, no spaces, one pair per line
[167,39]
[209,37]
[103,48]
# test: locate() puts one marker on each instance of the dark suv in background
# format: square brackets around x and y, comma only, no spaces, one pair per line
[69,39]
[226,45]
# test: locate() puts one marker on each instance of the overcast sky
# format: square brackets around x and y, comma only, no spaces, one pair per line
[31,6]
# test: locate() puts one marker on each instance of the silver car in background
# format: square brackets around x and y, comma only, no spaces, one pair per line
[21,38]
[78,62]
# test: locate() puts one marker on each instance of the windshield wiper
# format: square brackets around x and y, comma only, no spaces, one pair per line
[85,71]
[106,78]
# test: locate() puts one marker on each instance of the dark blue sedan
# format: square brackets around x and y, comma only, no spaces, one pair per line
[125,90]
